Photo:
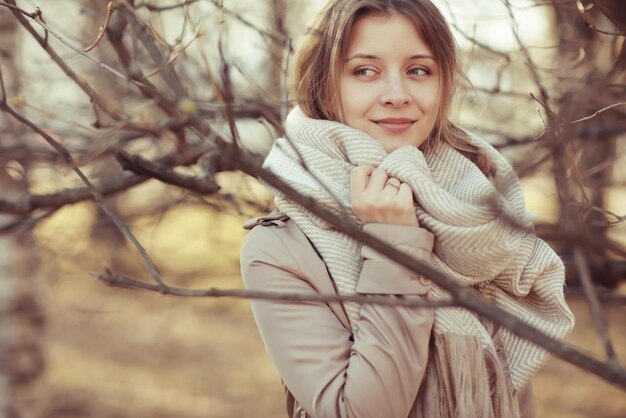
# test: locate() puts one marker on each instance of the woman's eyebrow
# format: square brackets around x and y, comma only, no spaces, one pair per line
[374,57]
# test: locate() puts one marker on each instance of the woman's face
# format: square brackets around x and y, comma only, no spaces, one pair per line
[389,86]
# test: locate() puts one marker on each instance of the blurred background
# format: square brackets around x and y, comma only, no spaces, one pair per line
[547,88]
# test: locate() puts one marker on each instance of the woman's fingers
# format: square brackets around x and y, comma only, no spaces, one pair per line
[376,197]
[359,178]
[392,184]
[405,194]
[377,180]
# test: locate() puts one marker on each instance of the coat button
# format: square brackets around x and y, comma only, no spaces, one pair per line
[425,281]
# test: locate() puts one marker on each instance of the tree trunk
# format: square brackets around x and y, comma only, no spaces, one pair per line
[23,390]
[594,154]
[103,229]
[278,15]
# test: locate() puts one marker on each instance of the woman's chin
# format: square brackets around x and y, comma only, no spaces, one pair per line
[392,144]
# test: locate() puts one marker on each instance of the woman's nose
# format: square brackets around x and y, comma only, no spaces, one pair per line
[395,93]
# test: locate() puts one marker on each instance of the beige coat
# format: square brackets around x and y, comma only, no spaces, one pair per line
[327,370]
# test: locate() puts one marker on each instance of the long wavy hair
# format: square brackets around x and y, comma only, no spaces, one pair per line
[321,54]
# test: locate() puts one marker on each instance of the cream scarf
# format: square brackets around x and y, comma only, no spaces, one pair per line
[483,238]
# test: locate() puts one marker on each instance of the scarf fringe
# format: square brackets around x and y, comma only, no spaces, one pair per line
[479,388]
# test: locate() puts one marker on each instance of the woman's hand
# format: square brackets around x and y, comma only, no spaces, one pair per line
[377,198]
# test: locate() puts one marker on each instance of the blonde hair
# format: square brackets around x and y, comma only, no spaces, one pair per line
[321,54]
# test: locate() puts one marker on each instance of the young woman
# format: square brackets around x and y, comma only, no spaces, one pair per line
[370,136]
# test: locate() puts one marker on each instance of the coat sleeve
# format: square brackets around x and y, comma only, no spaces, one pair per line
[375,372]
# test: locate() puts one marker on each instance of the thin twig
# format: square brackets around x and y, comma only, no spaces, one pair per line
[597,112]
[594,305]
[32,15]
[103,103]
[529,61]
[102,30]
[605,297]
[227,94]
[177,54]
[618,218]
[144,35]
[582,11]
[605,32]
[25,222]
[154,8]
[37,18]
[285,81]
[480,44]
[275,37]
[496,90]
[560,152]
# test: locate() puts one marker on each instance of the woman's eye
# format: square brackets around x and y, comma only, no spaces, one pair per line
[418,71]
[364,72]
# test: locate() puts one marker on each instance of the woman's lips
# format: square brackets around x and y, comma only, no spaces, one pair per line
[394,124]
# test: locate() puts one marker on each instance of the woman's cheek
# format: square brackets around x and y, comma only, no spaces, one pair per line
[431,96]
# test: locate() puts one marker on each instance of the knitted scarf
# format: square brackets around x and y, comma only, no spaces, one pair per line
[483,238]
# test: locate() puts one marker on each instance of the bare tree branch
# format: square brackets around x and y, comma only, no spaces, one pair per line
[144,167]
[116,280]
[97,196]
[463,296]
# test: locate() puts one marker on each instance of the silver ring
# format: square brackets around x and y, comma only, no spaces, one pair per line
[394,182]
